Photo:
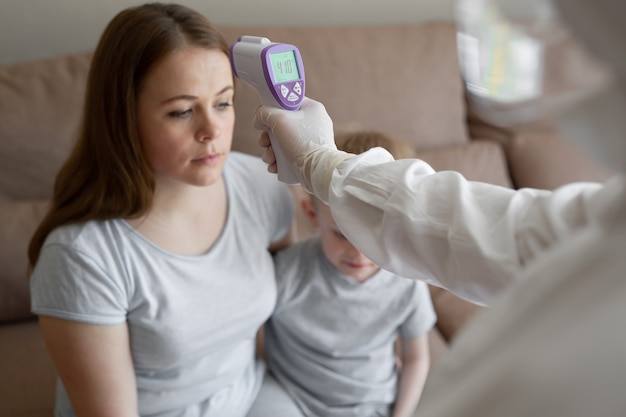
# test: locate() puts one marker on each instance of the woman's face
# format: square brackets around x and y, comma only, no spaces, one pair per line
[185,116]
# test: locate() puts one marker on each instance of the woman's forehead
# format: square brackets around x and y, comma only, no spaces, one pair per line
[189,70]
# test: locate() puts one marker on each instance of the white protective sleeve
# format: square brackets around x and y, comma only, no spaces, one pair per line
[469,237]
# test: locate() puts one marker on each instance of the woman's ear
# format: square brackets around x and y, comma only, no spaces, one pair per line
[308,207]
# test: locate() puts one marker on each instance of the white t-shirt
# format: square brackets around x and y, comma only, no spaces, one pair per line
[330,341]
[192,319]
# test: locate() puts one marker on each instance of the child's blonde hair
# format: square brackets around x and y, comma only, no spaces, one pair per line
[359,141]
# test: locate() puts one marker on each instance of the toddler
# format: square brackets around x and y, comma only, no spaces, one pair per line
[332,339]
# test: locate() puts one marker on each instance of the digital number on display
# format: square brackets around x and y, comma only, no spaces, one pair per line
[284,66]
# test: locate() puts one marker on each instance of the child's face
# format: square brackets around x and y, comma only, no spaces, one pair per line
[186,117]
[339,251]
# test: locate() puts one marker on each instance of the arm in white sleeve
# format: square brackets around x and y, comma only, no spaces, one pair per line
[469,237]
[472,238]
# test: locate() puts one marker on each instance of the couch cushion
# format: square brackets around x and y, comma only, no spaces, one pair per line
[479,160]
[401,80]
[548,160]
[453,313]
[27,374]
[18,221]
[40,110]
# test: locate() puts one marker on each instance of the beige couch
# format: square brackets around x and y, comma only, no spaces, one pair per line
[403,80]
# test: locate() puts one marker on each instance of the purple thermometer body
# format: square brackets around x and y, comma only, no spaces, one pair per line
[276,72]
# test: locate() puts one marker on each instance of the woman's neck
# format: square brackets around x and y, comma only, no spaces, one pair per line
[185,220]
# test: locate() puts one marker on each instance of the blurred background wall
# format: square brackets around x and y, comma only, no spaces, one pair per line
[33,29]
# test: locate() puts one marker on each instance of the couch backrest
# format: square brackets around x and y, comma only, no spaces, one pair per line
[40,108]
[402,80]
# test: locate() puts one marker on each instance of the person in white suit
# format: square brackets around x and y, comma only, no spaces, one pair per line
[550,264]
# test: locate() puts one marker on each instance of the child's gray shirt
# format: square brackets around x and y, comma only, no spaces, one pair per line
[330,340]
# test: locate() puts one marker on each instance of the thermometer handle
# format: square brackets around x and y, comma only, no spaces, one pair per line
[284,170]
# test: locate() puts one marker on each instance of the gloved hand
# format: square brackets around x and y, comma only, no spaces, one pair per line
[306,139]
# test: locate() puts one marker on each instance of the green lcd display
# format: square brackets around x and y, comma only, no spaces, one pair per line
[284,66]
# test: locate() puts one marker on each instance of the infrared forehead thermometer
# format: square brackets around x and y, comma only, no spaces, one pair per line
[276,72]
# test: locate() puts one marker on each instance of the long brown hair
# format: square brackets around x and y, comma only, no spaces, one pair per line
[107,174]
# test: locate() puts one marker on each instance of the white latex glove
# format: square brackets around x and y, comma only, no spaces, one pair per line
[307,141]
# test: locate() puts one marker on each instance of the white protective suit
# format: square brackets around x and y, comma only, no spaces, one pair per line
[552,344]
[551,265]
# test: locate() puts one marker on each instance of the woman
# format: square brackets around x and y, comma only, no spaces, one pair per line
[151,272]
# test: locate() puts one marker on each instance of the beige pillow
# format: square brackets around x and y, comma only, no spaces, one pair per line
[40,109]
[479,160]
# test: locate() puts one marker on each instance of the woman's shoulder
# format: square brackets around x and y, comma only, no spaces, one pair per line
[246,164]
[69,233]
[243,171]
[82,236]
